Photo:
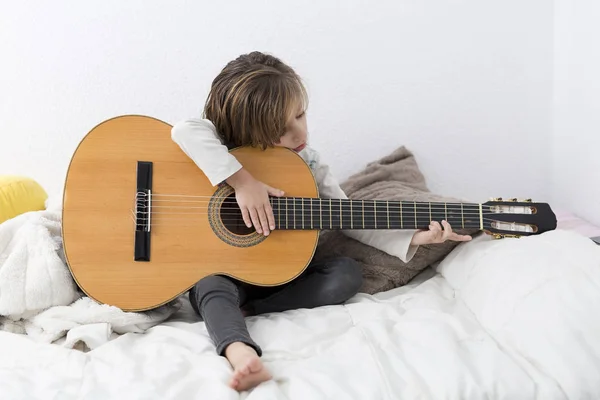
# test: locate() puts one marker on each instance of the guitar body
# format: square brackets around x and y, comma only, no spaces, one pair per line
[99,218]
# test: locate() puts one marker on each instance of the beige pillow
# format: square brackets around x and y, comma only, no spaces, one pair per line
[394,177]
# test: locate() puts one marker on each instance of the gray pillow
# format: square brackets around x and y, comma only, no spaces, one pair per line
[394,177]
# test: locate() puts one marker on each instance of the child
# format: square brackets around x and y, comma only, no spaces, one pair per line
[258,100]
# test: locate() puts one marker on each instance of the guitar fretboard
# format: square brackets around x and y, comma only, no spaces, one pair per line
[314,213]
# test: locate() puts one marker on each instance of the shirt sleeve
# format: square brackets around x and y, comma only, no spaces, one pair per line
[392,242]
[199,140]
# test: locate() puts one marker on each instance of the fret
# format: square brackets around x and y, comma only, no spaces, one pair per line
[311,214]
[369,214]
[387,203]
[356,207]
[430,218]
[382,218]
[286,213]
[330,215]
[437,214]
[351,217]
[299,214]
[459,216]
[294,211]
[363,214]
[415,210]
[471,218]
[320,214]
[375,213]
[346,213]
[341,215]
[394,215]
[452,217]
[277,210]
[408,215]
[326,214]
[401,218]
[422,212]
[302,207]
[306,214]
[315,217]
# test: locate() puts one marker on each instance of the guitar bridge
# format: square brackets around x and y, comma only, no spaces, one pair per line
[143,211]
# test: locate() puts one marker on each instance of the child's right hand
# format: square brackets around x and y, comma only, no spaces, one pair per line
[253,199]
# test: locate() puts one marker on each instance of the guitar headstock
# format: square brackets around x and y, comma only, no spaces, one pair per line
[514,218]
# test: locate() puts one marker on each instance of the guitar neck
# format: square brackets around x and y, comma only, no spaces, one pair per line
[295,213]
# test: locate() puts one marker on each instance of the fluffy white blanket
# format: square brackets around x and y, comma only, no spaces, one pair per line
[38,296]
[507,319]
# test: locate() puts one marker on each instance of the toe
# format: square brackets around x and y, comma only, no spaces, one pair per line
[255,365]
[237,375]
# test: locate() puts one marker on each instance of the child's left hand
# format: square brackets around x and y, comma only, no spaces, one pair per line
[435,234]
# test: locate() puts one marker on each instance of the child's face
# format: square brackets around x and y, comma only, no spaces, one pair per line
[296,133]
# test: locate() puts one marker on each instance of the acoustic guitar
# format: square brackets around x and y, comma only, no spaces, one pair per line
[142,224]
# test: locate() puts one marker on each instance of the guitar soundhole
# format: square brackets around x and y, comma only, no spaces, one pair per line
[231,216]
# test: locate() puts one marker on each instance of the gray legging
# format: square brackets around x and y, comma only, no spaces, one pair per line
[218,299]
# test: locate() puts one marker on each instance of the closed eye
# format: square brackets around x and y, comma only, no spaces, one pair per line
[301,115]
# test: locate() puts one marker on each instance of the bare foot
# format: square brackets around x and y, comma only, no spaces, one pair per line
[248,369]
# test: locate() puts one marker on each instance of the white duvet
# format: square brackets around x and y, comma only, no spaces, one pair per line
[508,319]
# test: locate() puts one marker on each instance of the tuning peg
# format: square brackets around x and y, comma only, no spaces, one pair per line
[527,200]
[514,199]
[497,236]
[496,199]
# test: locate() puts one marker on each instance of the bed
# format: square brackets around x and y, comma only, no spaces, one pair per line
[495,319]
[485,319]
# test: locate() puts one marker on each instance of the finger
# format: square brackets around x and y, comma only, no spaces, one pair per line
[274,192]
[263,220]
[255,220]
[270,216]
[432,233]
[437,230]
[461,238]
[447,230]
[246,217]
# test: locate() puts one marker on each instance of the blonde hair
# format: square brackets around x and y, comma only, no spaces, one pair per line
[252,98]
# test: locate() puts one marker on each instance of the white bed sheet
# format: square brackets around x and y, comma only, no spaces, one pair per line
[510,319]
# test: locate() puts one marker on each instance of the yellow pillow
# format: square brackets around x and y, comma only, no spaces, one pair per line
[18,195]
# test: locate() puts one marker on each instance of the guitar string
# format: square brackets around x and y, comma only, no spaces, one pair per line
[297,201]
[368,214]
[155,222]
[300,198]
[334,211]
[299,205]
[376,214]
[229,197]
[233,217]
[348,207]
[178,222]
[299,221]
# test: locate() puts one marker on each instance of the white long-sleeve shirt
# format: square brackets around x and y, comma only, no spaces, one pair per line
[198,139]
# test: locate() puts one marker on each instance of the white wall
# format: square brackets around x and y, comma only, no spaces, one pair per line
[576,155]
[467,85]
